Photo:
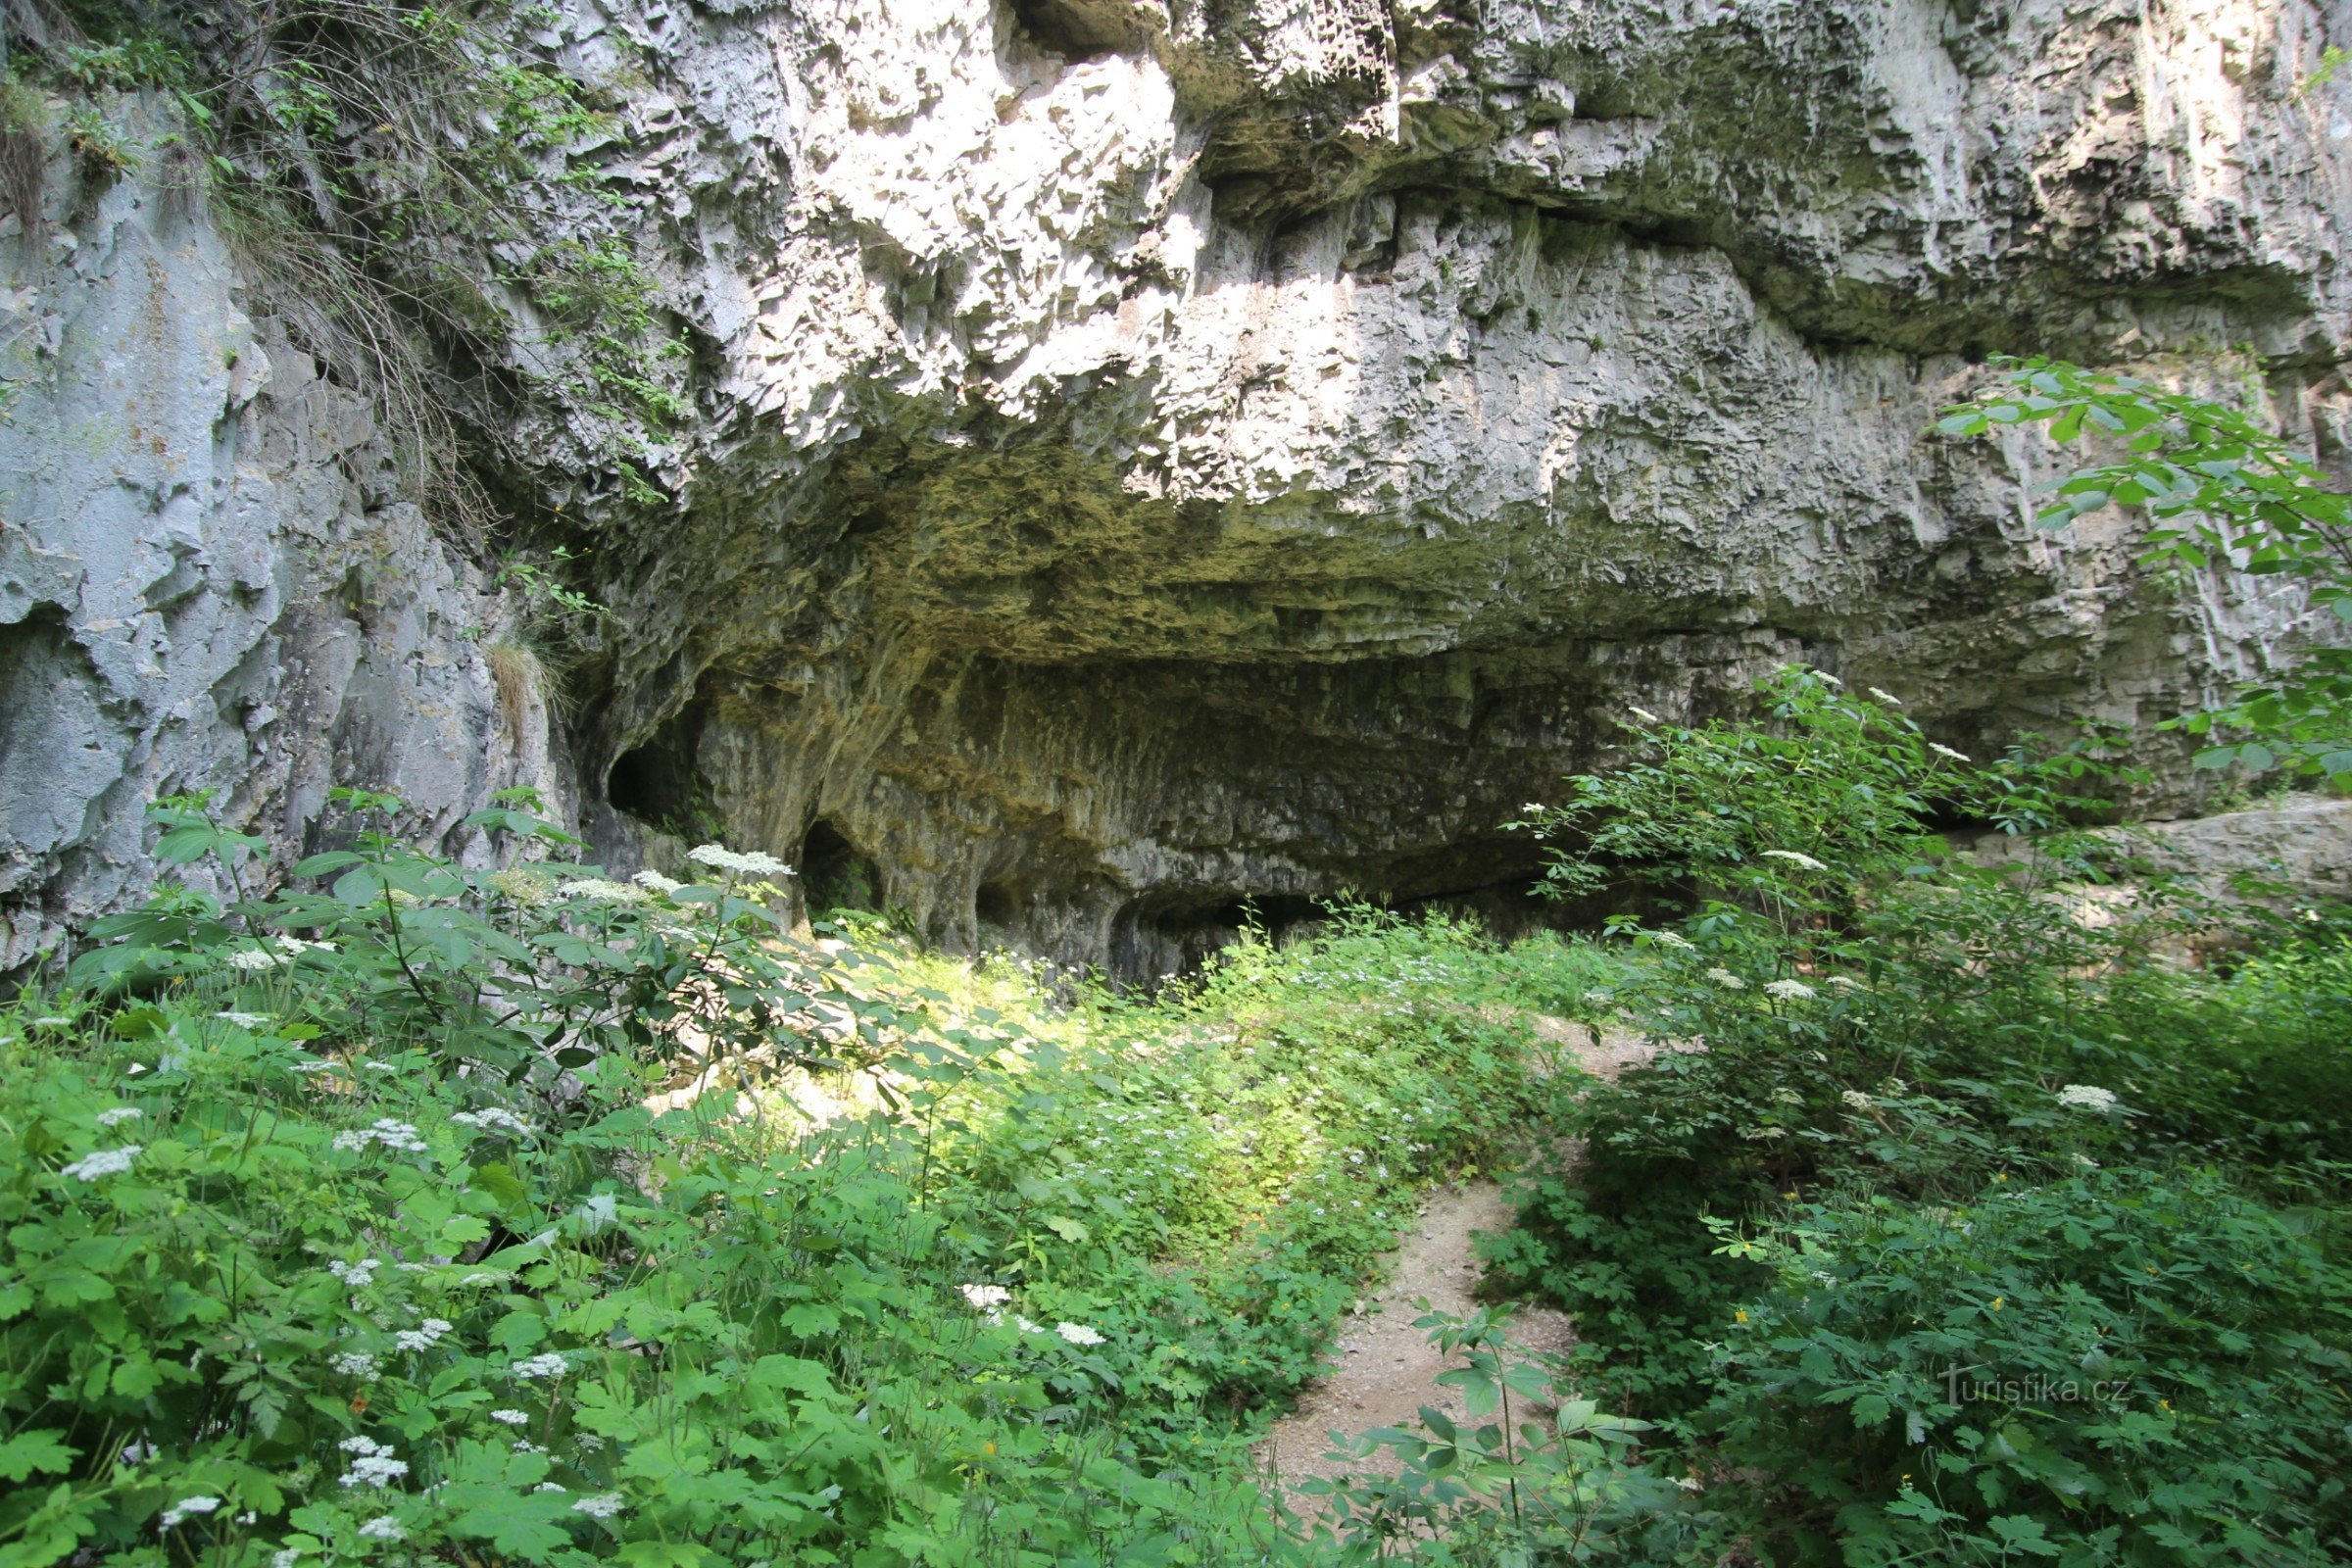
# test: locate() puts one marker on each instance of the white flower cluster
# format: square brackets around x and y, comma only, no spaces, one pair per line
[1671,939]
[183,1509]
[1788,990]
[117,1115]
[520,886]
[491,1119]
[1828,680]
[383,1527]
[295,947]
[597,887]
[1888,698]
[1725,979]
[394,1135]
[654,882]
[356,1276]
[357,1364]
[512,1418]
[2086,1097]
[1644,716]
[1857,1100]
[603,1505]
[285,1557]
[1947,750]
[424,1335]
[251,960]
[244,1020]
[984,1297]
[372,1465]
[1803,862]
[103,1162]
[751,863]
[1078,1333]
[550,1365]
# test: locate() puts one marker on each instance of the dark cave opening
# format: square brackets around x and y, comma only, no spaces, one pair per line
[996,905]
[835,874]
[658,782]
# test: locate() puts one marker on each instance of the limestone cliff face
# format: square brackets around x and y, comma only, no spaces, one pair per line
[1147,458]
[208,579]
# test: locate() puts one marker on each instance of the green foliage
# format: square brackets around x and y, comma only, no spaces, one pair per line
[387,1208]
[545,593]
[2223,492]
[2114,1367]
[1828,950]
[1918,1111]
[524,975]
[1570,1487]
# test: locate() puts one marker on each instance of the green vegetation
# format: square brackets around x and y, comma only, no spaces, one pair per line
[1959,1224]
[2221,490]
[387,1209]
[345,1221]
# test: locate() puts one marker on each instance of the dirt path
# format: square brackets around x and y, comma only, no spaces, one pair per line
[1383,1370]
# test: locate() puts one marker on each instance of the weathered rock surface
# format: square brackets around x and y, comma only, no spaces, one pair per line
[207,580]
[1150,456]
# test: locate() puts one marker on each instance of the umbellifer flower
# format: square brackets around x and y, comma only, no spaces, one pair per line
[1078,1334]
[1947,750]
[984,1297]
[2086,1097]
[184,1508]
[1803,862]
[751,862]
[1725,979]
[597,887]
[1788,990]
[603,1505]
[103,1162]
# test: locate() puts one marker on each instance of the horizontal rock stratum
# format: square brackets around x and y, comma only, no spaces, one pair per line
[1145,459]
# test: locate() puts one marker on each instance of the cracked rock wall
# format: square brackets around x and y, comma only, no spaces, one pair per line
[208,580]
[1149,456]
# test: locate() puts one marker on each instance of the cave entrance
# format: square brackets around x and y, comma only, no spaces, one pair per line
[835,874]
[996,905]
[659,784]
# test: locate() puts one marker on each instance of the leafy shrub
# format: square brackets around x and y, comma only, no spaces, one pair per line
[2118,1366]
[1866,1034]
[1555,1479]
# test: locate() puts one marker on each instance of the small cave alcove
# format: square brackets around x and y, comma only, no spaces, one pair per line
[998,906]
[659,784]
[1156,940]
[835,874]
